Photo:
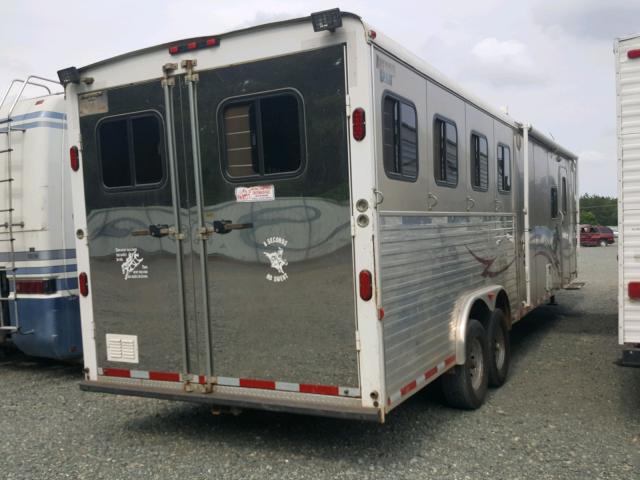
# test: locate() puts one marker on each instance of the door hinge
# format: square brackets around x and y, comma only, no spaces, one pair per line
[353,227]
[347,100]
[358,345]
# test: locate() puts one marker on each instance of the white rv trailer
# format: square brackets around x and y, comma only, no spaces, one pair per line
[627,53]
[39,294]
[303,216]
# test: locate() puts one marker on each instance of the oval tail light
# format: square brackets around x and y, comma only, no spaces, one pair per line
[83,284]
[366,285]
[74,158]
[359,124]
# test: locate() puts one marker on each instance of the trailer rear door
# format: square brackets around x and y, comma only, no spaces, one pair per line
[133,263]
[275,190]
[263,253]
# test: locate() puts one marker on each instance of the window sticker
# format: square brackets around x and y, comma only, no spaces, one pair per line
[258,193]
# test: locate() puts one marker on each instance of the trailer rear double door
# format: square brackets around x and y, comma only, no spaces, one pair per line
[259,152]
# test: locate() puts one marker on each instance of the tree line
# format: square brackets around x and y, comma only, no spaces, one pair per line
[598,210]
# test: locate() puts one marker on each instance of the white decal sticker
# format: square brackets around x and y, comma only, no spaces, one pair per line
[131,263]
[258,193]
[276,257]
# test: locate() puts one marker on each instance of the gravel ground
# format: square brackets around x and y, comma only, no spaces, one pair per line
[567,411]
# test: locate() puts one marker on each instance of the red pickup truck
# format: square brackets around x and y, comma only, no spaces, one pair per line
[594,235]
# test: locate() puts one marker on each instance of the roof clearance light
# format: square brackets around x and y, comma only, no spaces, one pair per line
[631,54]
[194,45]
[326,20]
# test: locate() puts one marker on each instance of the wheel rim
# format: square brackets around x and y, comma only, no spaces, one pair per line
[476,364]
[499,350]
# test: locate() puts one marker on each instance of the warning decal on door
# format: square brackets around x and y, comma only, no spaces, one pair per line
[131,263]
[258,193]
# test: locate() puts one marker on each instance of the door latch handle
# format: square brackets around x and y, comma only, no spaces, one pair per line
[157,231]
[434,197]
[470,203]
[225,226]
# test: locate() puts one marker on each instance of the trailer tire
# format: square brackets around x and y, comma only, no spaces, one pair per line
[499,349]
[465,386]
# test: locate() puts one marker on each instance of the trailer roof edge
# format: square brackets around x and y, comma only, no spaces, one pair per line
[552,144]
[240,31]
[382,41]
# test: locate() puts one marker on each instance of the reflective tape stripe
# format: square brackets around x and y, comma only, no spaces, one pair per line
[116,372]
[263,384]
[233,382]
[421,380]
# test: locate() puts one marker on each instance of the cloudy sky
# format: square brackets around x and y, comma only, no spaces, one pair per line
[549,63]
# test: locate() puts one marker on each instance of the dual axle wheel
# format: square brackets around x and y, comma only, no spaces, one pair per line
[488,354]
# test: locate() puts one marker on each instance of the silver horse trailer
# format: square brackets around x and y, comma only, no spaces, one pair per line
[303,216]
[627,53]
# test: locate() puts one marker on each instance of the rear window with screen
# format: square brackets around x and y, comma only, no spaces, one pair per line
[400,139]
[263,136]
[479,162]
[445,164]
[131,150]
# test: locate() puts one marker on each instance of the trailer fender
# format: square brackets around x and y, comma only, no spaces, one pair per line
[462,311]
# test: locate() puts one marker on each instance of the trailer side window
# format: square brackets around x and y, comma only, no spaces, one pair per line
[554,202]
[504,168]
[445,139]
[131,151]
[479,162]
[564,195]
[400,139]
[263,136]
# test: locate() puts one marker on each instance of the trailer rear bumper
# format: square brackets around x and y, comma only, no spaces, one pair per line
[241,401]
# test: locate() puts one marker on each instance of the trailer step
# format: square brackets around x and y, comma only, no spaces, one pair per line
[9,329]
[575,286]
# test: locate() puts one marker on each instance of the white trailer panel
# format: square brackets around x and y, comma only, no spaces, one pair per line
[628,127]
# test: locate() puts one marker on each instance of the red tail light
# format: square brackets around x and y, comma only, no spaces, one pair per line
[366,285]
[359,124]
[633,289]
[83,284]
[36,287]
[74,157]
[631,54]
